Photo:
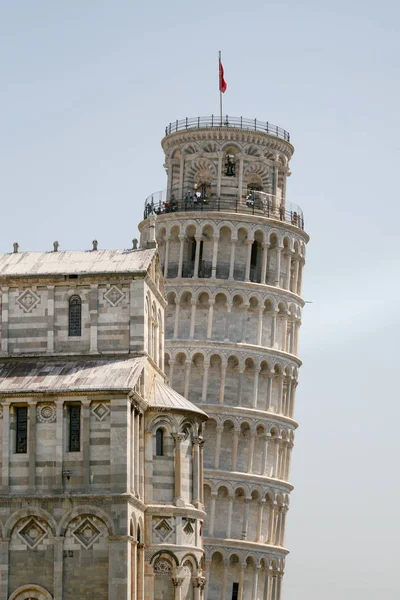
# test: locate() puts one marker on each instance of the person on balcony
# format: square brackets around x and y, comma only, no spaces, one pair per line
[250,200]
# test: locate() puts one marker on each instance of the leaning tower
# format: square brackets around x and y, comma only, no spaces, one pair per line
[232,250]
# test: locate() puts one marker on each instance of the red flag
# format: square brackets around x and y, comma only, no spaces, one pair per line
[222,82]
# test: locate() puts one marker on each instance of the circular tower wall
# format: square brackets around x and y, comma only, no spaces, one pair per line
[233,252]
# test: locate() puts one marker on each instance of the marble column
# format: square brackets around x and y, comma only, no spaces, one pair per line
[177,581]
[265,456]
[276,458]
[241,581]
[250,453]
[214,258]
[255,388]
[260,520]
[177,310]
[210,315]
[201,448]
[245,524]
[235,442]
[273,329]
[205,382]
[264,263]
[224,366]
[249,244]
[240,385]
[289,269]
[227,321]
[269,390]
[224,581]
[196,471]
[212,514]
[219,430]
[197,257]
[188,368]
[232,260]
[180,262]
[260,325]
[277,280]
[229,519]
[192,319]
[166,258]
[255,582]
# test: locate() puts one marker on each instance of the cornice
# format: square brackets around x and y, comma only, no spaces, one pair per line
[249,478]
[223,134]
[234,285]
[249,413]
[226,348]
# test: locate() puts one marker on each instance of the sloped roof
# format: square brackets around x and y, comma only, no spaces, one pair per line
[165,398]
[22,264]
[63,376]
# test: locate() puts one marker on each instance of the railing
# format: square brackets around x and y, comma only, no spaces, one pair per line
[251,203]
[226,121]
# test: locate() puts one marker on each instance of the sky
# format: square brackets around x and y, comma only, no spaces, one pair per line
[87,89]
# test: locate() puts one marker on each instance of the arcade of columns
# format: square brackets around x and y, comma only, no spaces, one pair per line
[233,276]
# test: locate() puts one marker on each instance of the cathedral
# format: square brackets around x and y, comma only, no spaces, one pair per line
[147,395]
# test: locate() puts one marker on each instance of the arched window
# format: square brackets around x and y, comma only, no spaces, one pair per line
[159,442]
[75,317]
[230,165]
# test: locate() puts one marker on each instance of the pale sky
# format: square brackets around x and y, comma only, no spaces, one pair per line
[87,88]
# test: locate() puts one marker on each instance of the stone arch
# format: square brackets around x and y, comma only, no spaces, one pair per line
[260,170]
[164,564]
[192,558]
[200,170]
[29,512]
[81,511]
[168,554]
[163,420]
[31,592]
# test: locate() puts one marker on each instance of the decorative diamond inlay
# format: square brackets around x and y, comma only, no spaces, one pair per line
[32,533]
[188,528]
[28,300]
[87,533]
[163,529]
[100,411]
[114,296]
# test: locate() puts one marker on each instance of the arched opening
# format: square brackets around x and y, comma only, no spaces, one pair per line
[256,258]
[75,316]
[224,253]
[190,252]
[160,442]
[163,584]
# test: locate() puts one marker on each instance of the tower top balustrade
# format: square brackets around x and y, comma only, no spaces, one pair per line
[215,121]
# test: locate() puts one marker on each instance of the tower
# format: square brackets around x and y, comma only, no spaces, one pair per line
[232,250]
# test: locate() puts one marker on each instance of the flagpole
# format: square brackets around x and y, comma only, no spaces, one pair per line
[220,92]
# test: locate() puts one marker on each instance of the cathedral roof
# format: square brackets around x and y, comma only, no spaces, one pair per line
[29,376]
[22,264]
[165,398]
